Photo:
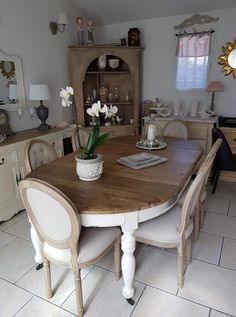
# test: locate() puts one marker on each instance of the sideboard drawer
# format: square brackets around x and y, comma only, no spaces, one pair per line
[198,131]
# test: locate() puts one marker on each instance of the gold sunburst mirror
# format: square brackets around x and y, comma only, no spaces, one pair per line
[228,59]
[8,69]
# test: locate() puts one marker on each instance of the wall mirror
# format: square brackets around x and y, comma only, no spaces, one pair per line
[228,59]
[12,92]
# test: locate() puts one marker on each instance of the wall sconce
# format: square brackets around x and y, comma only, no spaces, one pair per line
[60,25]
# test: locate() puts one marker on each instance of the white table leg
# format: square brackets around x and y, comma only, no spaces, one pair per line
[36,244]
[128,263]
[128,248]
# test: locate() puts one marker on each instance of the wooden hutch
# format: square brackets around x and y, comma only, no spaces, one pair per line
[87,78]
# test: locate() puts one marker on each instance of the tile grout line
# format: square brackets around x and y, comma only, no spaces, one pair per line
[136,304]
[229,208]
[221,249]
[23,306]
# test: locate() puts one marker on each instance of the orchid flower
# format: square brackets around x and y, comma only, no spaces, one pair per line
[105,110]
[95,109]
[65,94]
[113,110]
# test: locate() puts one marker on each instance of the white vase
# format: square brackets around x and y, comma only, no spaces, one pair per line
[89,170]
[102,62]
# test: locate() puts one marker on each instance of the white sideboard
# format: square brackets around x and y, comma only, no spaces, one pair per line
[12,166]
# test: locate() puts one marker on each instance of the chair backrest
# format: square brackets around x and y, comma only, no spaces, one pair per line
[79,138]
[192,198]
[211,156]
[177,129]
[224,158]
[53,215]
[37,153]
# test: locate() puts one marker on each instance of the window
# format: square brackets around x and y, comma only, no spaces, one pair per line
[192,61]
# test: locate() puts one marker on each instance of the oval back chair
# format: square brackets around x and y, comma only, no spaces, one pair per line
[177,129]
[64,242]
[79,138]
[37,153]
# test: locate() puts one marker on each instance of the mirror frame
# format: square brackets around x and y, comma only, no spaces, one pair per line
[223,59]
[19,80]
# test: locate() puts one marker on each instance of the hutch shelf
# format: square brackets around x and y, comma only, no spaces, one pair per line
[122,85]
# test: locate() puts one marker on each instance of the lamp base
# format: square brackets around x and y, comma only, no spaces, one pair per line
[44,126]
[42,113]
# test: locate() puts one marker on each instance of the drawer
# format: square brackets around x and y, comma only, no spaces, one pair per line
[57,144]
[230,137]
[198,132]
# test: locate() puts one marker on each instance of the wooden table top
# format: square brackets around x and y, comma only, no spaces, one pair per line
[122,189]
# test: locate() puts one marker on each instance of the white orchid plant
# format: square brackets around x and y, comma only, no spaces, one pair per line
[96,110]
[94,139]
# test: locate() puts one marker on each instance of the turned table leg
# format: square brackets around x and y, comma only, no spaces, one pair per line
[128,259]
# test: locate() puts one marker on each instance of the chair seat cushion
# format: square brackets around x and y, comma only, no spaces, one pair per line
[182,197]
[92,242]
[162,229]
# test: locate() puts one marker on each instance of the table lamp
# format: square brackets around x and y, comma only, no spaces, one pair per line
[13,93]
[40,92]
[214,86]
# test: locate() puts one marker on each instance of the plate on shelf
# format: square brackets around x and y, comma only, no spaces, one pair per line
[159,147]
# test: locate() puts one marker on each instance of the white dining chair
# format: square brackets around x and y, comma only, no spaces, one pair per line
[174,229]
[199,215]
[79,138]
[64,242]
[37,153]
[177,129]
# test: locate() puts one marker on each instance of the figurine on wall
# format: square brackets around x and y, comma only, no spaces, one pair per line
[90,25]
[80,30]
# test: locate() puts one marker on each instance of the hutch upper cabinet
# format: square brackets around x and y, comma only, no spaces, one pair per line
[121,85]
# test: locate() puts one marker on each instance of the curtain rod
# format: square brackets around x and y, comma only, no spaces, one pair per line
[193,33]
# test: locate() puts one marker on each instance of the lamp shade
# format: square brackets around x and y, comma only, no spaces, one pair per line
[62,18]
[13,91]
[39,92]
[214,86]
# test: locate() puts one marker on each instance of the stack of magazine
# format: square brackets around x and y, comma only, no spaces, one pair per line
[141,160]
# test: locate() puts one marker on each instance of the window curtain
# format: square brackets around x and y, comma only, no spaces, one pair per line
[196,45]
[192,53]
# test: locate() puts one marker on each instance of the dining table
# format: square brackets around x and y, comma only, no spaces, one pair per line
[123,196]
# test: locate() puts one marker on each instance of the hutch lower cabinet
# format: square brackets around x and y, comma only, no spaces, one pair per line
[12,167]
[110,74]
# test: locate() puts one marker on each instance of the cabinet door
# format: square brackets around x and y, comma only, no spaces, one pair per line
[8,184]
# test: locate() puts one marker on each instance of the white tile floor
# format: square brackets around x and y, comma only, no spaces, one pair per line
[210,281]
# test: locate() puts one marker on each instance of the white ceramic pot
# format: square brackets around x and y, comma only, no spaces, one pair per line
[114,63]
[89,170]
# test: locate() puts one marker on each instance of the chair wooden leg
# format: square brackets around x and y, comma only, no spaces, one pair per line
[117,259]
[180,269]
[215,181]
[202,215]
[78,291]
[189,250]
[197,223]
[47,277]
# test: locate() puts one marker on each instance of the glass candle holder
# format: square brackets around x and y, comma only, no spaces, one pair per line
[151,134]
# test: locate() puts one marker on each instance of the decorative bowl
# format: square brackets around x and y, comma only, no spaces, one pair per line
[114,63]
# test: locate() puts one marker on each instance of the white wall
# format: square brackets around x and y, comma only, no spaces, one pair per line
[158,67]
[24,32]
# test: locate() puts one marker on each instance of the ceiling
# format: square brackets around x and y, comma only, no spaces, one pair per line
[116,11]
